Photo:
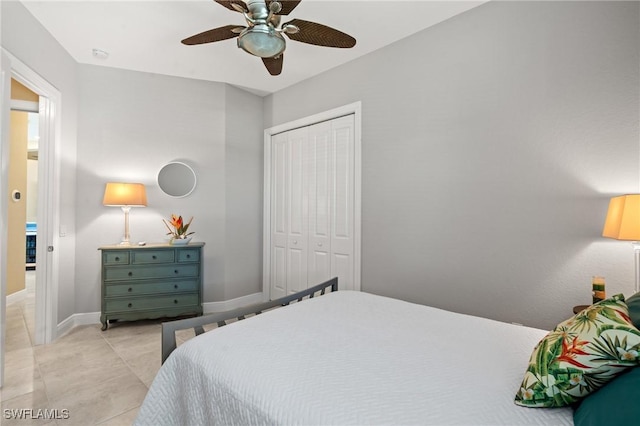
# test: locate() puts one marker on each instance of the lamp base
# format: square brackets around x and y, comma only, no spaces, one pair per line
[636,249]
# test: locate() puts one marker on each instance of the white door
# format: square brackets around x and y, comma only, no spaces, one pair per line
[5,99]
[342,202]
[320,183]
[312,206]
[289,211]
[279,222]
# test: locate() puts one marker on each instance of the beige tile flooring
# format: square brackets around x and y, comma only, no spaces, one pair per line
[100,377]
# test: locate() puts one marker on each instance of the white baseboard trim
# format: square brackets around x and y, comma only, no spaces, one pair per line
[18,296]
[208,308]
[227,305]
[77,319]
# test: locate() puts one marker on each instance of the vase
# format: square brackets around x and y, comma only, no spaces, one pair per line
[180,241]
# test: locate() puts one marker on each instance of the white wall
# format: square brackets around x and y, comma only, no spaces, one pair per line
[127,125]
[28,41]
[244,177]
[133,123]
[491,144]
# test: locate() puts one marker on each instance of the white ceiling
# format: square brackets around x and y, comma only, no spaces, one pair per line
[145,35]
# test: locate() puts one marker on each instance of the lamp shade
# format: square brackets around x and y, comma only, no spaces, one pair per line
[623,218]
[125,194]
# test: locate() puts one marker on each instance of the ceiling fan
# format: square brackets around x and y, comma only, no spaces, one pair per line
[263,37]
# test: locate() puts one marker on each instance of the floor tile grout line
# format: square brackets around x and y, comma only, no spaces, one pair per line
[124,360]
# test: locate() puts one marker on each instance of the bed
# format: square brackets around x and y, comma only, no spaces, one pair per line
[348,357]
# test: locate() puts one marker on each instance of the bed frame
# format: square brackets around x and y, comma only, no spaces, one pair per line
[220,319]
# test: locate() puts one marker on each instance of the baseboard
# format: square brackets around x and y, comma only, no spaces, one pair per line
[18,296]
[77,319]
[227,305]
[208,308]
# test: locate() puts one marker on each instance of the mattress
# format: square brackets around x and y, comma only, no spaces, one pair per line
[350,358]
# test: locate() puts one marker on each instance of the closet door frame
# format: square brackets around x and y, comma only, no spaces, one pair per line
[356,110]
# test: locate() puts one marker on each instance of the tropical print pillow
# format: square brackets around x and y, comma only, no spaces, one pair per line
[580,355]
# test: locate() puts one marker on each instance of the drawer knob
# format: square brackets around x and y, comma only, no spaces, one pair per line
[154,257]
[175,286]
[130,274]
[117,259]
[130,305]
[175,271]
[175,301]
[188,256]
[130,290]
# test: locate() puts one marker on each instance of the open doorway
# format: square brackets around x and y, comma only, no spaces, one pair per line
[22,217]
[48,220]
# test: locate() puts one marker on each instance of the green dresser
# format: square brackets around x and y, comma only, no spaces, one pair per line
[152,281]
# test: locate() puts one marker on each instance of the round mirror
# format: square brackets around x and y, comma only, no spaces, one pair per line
[177,179]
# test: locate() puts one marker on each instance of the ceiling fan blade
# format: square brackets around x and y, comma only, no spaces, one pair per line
[319,35]
[287,5]
[229,4]
[274,65]
[216,34]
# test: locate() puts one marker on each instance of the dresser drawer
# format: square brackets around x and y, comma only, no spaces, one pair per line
[147,272]
[151,281]
[189,255]
[153,256]
[152,288]
[125,304]
[120,257]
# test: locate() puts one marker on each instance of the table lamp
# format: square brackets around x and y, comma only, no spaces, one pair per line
[125,195]
[623,223]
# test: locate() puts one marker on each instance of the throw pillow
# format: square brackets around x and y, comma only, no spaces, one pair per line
[634,309]
[581,355]
[614,404]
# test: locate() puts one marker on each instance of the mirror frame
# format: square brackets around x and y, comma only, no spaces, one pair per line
[187,172]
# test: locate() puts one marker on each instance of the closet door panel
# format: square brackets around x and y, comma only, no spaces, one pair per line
[298,212]
[342,267]
[320,182]
[278,272]
[279,222]
[342,201]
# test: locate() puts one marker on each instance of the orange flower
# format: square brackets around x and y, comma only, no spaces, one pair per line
[176,221]
[180,229]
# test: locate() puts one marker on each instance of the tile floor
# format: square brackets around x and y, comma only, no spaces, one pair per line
[101,378]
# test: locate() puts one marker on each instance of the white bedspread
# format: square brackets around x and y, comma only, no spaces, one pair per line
[350,358]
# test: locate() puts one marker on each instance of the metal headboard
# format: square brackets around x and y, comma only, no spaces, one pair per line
[169,328]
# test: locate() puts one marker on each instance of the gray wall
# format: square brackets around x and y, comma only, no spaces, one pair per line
[124,125]
[27,40]
[244,176]
[130,125]
[490,146]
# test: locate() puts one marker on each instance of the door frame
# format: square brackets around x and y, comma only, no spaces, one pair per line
[48,217]
[355,109]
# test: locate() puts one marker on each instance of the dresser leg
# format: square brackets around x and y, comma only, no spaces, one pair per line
[104,323]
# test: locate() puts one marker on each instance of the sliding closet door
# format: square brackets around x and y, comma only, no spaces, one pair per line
[312,206]
[279,216]
[289,213]
[298,234]
[320,183]
[342,201]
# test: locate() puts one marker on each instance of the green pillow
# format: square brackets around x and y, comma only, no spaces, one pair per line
[581,355]
[634,309]
[614,404]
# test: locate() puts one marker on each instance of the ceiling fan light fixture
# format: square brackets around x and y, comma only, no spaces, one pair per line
[262,40]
